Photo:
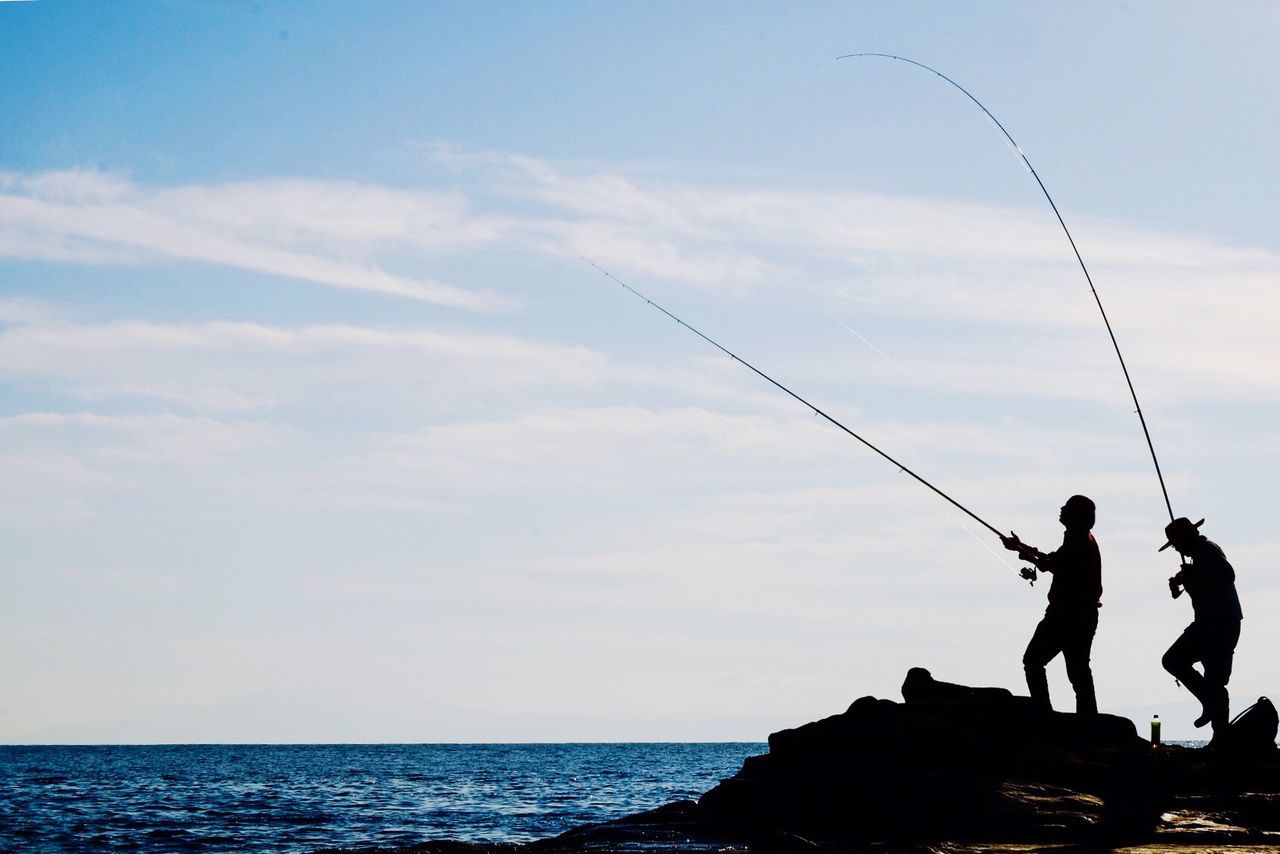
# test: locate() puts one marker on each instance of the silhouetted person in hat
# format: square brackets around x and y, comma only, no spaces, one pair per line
[1211,638]
[1075,596]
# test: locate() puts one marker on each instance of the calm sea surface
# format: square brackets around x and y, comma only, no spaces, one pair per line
[305,797]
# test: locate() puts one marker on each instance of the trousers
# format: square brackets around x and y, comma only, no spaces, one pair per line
[1070,633]
[1213,644]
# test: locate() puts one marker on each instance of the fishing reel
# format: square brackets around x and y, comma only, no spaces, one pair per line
[1029,573]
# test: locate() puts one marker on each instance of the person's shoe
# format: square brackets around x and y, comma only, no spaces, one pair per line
[1215,709]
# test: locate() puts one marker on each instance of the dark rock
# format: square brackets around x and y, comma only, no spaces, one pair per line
[962,765]
[921,688]
[955,768]
[952,763]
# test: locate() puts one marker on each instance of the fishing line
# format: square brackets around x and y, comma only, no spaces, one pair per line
[816,411]
[905,373]
[882,354]
[1132,393]
[983,543]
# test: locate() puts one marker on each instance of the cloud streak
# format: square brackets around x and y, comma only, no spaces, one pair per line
[87,217]
[935,258]
[220,366]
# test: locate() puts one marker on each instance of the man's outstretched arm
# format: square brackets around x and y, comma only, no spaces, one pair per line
[1026,552]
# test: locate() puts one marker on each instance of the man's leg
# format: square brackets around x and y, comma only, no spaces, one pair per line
[1178,660]
[1076,651]
[1217,672]
[1045,643]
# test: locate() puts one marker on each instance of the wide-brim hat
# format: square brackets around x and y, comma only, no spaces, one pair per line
[1181,525]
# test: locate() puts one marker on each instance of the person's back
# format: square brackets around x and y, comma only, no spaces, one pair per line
[1210,581]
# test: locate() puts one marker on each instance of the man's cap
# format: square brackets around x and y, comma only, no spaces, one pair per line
[1181,525]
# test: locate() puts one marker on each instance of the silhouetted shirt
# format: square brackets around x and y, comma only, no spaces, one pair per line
[1077,573]
[1210,580]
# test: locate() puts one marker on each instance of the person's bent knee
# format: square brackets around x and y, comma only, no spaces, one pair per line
[1172,662]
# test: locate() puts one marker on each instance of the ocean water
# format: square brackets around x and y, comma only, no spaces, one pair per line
[301,798]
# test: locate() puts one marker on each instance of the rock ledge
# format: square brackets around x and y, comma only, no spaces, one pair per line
[955,768]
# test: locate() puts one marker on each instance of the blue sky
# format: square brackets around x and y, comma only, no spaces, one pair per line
[314,426]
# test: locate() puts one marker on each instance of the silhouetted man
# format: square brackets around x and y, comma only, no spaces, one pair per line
[1071,620]
[1212,636]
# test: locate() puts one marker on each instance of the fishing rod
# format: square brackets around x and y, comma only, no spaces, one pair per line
[1132,393]
[816,411]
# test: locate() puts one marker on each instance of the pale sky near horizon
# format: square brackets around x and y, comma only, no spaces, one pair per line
[315,426]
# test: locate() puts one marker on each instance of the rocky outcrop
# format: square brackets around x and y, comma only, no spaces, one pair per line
[956,768]
[960,765]
[951,763]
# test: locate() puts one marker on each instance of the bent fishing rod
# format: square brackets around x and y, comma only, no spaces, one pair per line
[1132,393]
[816,411]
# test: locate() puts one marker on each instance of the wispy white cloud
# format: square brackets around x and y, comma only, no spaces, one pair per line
[220,366]
[279,228]
[163,440]
[25,310]
[64,468]
[934,258]
[689,217]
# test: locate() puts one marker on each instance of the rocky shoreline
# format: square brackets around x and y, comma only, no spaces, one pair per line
[954,768]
